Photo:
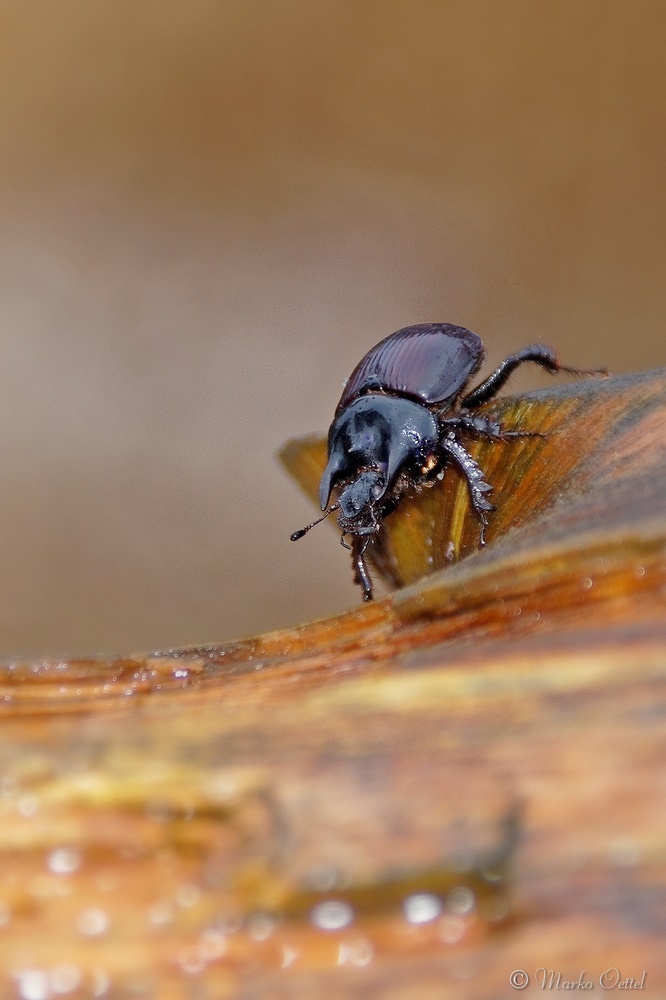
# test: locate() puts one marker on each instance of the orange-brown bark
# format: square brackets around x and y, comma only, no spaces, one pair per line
[412,800]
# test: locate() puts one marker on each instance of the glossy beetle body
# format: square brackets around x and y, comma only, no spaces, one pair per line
[400,421]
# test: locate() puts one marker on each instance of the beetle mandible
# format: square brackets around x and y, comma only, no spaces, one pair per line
[400,421]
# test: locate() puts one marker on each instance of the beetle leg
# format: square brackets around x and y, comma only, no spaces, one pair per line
[539,353]
[482,424]
[473,474]
[476,424]
[361,573]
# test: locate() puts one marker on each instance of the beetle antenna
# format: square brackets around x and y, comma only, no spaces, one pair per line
[303,531]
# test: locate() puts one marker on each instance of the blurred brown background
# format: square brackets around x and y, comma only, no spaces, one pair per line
[209,211]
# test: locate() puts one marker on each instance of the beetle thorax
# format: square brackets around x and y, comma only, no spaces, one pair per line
[371,444]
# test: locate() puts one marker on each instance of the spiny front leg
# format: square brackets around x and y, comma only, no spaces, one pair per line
[473,474]
[540,354]
[486,426]
[360,566]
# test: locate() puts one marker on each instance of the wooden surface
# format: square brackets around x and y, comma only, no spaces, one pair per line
[484,748]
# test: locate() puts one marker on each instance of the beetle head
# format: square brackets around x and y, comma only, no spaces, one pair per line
[370,444]
[372,441]
[358,503]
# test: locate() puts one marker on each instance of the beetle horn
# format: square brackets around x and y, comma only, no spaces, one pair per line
[337,464]
[398,455]
[303,531]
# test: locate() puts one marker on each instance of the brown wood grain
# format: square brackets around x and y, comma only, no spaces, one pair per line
[489,740]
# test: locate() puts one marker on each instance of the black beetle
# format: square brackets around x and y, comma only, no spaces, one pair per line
[399,423]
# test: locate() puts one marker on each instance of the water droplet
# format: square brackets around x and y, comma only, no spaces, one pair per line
[358,952]
[640,571]
[495,909]
[212,944]
[586,583]
[332,915]
[289,956]
[64,860]
[260,926]
[188,894]
[229,922]
[451,929]
[27,805]
[33,984]
[421,907]
[460,900]
[160,812]
[8,785]
[191,961]
[323,878]
[92,922]
[101,982]
[65,978]
[160,913]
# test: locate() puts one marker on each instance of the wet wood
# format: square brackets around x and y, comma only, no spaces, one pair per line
[412,800]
